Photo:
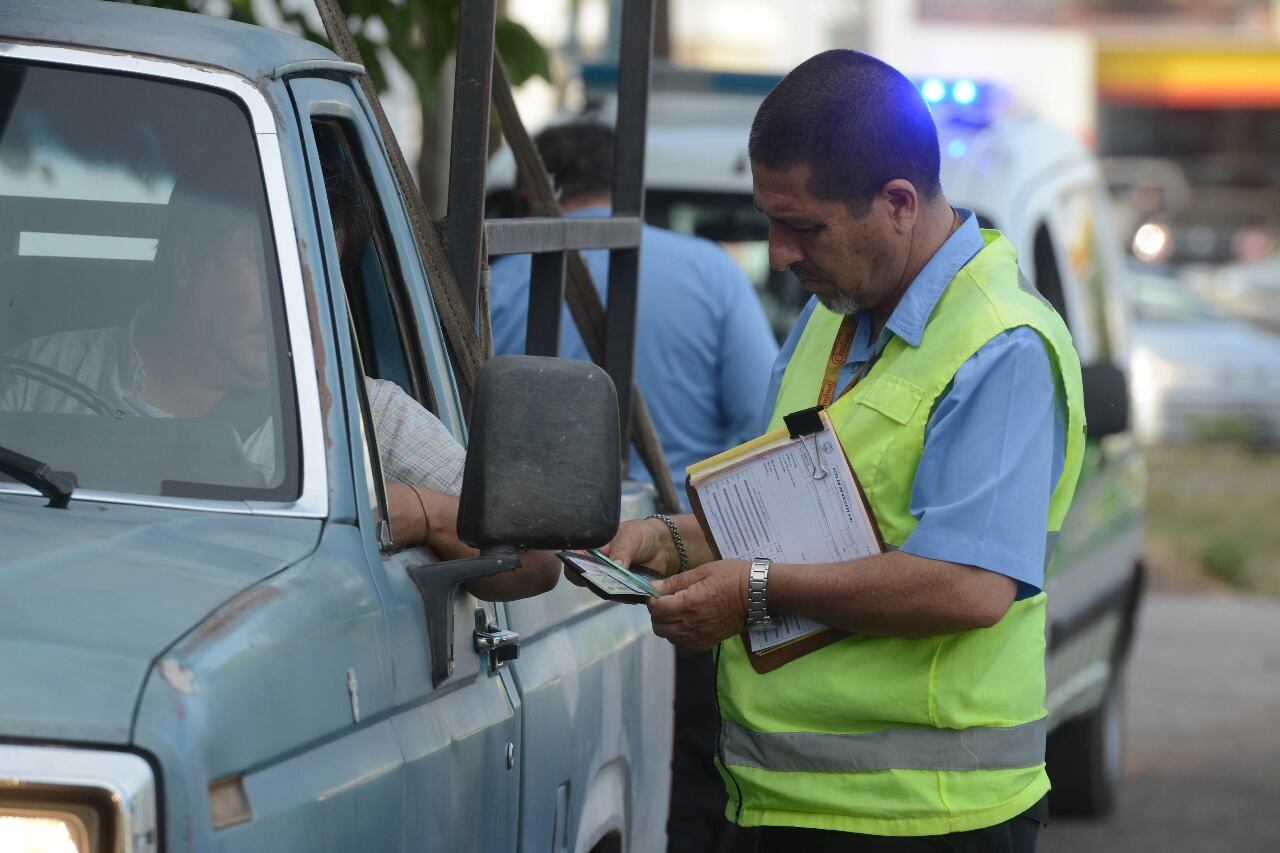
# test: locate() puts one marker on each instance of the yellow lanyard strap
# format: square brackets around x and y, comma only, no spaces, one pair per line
[840,352]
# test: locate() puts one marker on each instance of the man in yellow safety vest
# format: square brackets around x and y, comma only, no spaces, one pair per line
[956,395]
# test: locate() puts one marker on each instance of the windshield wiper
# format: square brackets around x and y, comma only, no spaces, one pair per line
[57,486]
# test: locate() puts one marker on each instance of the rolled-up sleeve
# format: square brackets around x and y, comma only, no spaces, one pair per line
[413,446]
[994,449]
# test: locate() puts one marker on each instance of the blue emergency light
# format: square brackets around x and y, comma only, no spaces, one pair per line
[963,101]
[933,90]
[964,92]
[939,92]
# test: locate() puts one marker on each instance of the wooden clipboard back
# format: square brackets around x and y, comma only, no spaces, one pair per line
[765,662]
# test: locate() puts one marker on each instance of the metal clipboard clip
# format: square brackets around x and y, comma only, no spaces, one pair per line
[807,422]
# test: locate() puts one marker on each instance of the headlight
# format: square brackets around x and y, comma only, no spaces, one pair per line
[1152,242]
[1151,373]
[44,831]
[56,800]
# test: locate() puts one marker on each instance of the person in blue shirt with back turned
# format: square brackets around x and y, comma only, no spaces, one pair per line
[703,345]
[703,353]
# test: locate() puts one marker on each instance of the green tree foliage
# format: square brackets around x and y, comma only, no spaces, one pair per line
[421,34]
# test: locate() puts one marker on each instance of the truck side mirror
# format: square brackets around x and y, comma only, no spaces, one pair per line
[542,471]
[542,468]
[1106,399]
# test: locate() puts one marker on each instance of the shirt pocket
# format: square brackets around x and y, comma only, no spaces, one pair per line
[893,397]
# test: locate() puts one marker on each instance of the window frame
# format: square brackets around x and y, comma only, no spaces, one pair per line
[419,307]
[408,338]
[312,499]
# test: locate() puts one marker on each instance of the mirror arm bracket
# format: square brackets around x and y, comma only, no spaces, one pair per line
[436,582]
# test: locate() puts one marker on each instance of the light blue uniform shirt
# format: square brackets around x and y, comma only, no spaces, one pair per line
[995,443]
[703,345]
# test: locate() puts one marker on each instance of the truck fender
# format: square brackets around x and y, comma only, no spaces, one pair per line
[604,810]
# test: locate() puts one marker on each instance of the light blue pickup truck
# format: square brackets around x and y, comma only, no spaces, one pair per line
[207,639]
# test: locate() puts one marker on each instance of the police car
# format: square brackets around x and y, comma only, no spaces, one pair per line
[1044,190]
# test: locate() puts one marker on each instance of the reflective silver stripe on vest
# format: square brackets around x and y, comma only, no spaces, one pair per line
[1050,542]
[888,749]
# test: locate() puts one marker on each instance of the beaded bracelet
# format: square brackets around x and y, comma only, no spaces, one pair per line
[675,537]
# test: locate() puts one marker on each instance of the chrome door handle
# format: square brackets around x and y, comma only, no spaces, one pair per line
[501,645]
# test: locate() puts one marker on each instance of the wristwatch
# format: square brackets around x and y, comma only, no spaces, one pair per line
[758,618]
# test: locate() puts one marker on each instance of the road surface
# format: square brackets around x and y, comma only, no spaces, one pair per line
[1202,763]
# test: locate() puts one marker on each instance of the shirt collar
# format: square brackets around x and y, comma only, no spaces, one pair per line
[912,313]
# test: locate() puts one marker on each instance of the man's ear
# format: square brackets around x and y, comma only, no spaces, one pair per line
[901,204]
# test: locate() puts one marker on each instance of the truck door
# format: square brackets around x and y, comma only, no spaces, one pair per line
[597,691]
[460,737]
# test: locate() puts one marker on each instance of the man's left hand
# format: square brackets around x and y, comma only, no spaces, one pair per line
[702,606]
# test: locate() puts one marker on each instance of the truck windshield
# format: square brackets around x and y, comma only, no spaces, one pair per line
[142,342]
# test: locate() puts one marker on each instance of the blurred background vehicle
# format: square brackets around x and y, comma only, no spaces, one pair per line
[1164,219]
[1249,291]
[1197,375]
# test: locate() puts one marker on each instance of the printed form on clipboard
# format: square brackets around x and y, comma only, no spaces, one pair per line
[791,496]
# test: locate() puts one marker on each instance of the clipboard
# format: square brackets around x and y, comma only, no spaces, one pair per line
[804,447]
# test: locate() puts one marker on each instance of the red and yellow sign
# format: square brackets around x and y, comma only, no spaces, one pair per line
[1192,78]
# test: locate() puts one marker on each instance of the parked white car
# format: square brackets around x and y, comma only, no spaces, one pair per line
[1196,374]
[1248,291]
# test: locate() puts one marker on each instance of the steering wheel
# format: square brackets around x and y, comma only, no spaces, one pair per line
[59,381]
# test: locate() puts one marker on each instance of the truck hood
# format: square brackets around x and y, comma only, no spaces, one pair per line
[91,595]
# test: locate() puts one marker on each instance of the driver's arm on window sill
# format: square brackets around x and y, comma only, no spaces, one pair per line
[438,530]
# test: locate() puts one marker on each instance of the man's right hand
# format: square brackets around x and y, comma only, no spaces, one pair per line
[647,542]
[637,542]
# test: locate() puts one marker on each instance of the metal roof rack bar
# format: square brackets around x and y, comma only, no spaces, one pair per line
[553,234]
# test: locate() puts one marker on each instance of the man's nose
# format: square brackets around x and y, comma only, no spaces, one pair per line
[784,247]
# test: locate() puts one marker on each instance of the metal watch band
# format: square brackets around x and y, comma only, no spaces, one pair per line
[758,617]
[681,552]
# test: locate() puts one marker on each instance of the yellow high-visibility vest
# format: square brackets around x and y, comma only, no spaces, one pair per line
[904,736]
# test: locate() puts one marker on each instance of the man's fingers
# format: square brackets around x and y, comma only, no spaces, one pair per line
[665,609]
[673,630]
[623,547]
[633,543]
[669,586]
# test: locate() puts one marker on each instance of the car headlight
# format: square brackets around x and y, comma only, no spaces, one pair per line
[58,800]
[46,830]
[1152,242]
[1151,373]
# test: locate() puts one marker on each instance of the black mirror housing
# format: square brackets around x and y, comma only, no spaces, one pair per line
[1106,399]
[543,467]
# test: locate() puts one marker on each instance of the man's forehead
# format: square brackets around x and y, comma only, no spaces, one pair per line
[779,191]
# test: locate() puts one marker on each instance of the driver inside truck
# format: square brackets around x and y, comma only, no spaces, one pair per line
[206,348]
